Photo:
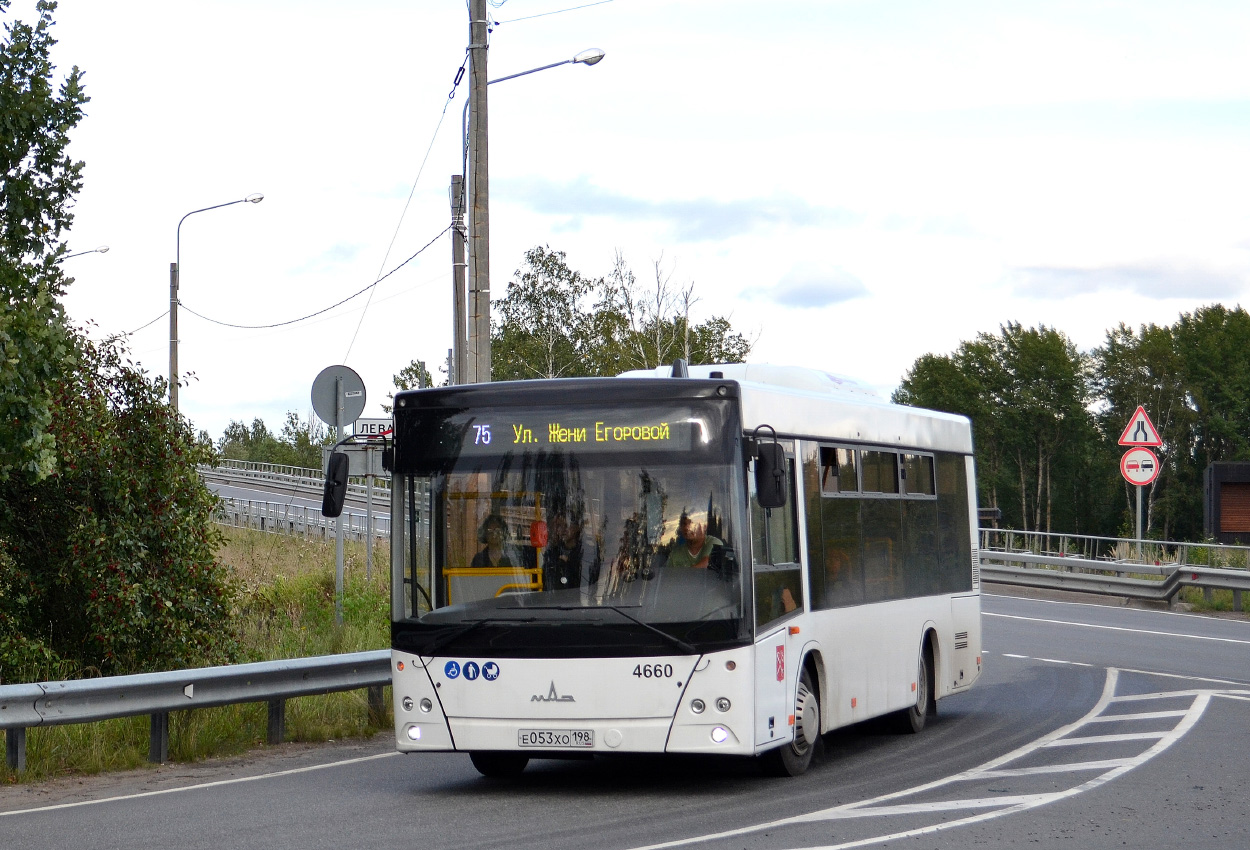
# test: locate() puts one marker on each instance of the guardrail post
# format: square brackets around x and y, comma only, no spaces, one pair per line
[377,709]
[15,749]
[277,721]
[158,740]
[1207,595]
[1237,601]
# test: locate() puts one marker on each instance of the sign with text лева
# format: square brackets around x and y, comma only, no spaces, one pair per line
[373,429]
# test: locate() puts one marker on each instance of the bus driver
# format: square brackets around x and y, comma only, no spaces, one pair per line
[693,547]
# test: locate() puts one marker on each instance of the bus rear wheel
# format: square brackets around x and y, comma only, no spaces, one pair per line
[499,765]
[794,758]
[911,720]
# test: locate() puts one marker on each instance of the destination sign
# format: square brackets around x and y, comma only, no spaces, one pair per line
[502,431]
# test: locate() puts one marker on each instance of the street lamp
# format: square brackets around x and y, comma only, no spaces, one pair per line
[174,268]
[476,325]
[103,249]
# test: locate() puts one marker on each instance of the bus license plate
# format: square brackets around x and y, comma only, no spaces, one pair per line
[556,738]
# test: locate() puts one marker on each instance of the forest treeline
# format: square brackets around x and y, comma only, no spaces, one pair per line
[1047,418]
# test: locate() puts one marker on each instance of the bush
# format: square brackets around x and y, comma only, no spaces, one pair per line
[110,561]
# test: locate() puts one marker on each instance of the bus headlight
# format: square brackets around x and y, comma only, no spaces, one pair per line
[407,703]
[723,704]
[720,734]
[414,733]
[426,705]
[697,706]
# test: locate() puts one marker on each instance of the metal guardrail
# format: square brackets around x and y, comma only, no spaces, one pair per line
[291,479]
[296,520]
[156,694]
[1093,547]
[1111,578]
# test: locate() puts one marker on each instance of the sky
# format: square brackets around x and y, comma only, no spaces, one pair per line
[853,183]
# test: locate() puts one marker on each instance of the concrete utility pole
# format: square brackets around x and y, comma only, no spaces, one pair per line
[173,334]
[457,364]
[479,199]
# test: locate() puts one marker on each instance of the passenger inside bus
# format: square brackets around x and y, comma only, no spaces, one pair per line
[569,560]
[693,546]
[498,551]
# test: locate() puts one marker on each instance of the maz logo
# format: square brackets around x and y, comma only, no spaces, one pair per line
[552,696]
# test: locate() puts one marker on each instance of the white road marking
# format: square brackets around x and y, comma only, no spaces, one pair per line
[1147,715]
[1116,628]
[1109,769]
[213,784]
[1107,739]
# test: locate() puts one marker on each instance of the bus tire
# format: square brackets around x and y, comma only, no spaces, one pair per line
[793,758]
[499,765]
[909,721]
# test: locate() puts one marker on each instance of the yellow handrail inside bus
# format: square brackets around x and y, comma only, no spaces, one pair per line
[534,577]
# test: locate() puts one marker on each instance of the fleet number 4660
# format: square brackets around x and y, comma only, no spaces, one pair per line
[654,671]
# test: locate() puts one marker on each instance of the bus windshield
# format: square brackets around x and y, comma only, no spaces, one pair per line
[563,531]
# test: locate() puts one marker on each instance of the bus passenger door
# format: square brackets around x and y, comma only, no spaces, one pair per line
[779,598]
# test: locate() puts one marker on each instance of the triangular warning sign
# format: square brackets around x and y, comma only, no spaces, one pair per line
[1140,431]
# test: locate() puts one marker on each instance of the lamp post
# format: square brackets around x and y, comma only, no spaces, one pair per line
[174,269]
[103,249]
[471,361]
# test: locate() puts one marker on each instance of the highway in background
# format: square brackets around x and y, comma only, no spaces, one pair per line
[1093,727]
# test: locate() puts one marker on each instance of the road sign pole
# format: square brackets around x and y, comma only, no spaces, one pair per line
[369,515]
[338,523]
[1139,489]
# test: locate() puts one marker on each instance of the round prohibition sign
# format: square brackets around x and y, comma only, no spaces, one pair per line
[1139,466]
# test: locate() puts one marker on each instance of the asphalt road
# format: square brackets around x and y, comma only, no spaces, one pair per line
[1092,727]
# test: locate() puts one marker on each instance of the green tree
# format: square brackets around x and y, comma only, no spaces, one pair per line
[1144,368]
[414,376]
[1026,391]
[38,180]
[544,320]
[556,322]
[110,560]
[1211,345]
[298,444]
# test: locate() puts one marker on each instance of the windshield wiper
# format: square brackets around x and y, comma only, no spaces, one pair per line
[469,627]
[673,639]
[686,648]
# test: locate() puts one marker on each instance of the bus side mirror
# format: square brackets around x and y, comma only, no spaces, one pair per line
[770,475]
[335,491]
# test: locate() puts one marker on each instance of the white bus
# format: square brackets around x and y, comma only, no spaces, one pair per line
[732,561]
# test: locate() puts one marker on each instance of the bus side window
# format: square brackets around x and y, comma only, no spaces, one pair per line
[775,555]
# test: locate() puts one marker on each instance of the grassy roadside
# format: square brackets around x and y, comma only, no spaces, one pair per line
[285,610]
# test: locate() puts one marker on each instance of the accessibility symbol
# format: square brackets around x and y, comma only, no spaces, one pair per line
[490,671]
[470,671]
[453,670]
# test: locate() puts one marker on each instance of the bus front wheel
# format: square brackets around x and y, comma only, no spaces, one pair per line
[499,765]
[794,758]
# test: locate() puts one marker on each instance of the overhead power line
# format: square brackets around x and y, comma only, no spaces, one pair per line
[356,294]
[558,11]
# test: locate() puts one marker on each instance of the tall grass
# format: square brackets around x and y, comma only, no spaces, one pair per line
[285,609]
